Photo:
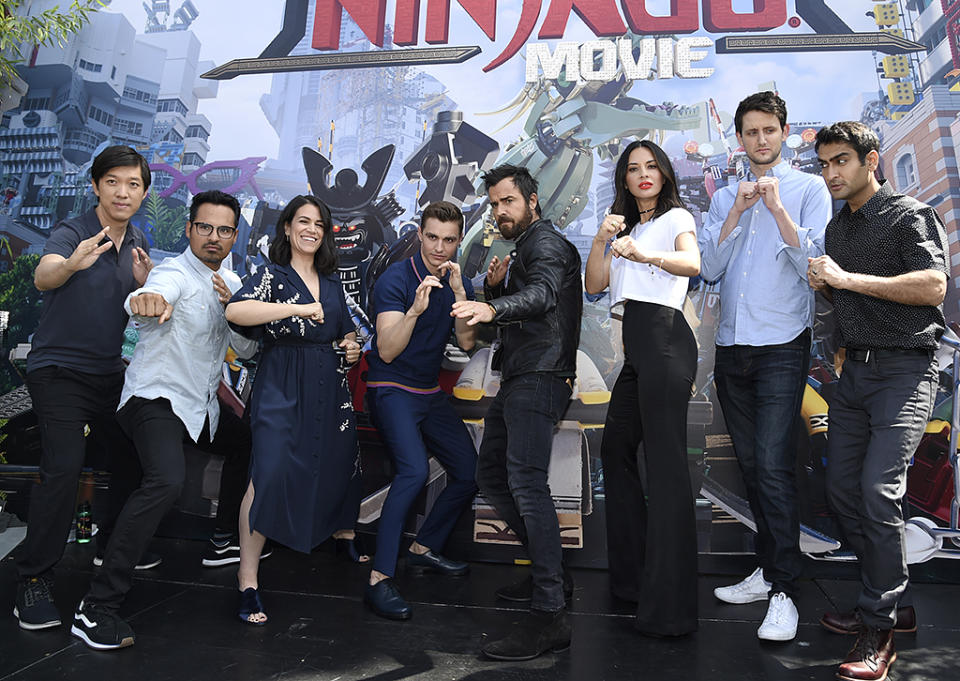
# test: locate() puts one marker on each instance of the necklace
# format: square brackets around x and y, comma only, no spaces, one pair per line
[644,212]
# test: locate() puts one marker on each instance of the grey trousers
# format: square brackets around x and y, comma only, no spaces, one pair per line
[877,418]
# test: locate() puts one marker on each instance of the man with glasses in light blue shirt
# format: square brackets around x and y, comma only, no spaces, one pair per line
[756,241]
[170,389]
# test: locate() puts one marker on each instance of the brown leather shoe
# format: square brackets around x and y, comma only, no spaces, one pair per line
[870,657]
[849,622]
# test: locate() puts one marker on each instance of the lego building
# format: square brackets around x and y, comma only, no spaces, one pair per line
[918,155]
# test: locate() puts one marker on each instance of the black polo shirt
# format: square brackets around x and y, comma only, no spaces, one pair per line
[890,234]
[82,321]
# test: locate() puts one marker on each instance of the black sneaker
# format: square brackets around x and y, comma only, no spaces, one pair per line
[101,629]
[35,608]
[227,552]
[147,561]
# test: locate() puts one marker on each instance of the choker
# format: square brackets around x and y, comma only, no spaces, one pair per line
[648,210]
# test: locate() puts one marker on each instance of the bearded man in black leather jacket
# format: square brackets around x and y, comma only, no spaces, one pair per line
[537,309]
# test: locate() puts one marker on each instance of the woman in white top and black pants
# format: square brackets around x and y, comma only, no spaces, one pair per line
[651,529]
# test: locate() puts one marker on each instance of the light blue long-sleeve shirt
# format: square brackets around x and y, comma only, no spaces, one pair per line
[764,295]
[181,359]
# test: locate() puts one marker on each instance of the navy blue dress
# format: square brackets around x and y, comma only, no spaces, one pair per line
[305,464]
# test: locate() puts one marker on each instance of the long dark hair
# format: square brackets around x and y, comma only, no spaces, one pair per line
[625,203]
[325,259]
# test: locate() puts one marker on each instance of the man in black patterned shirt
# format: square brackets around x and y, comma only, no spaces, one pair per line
[885,268]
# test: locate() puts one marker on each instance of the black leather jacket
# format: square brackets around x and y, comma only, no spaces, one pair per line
[539,310]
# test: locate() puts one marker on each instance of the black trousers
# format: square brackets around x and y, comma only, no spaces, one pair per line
[158,435]
[877,418]
[65,401]
[651,527]
[232,441]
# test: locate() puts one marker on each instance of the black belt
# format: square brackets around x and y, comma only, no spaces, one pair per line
[864,355]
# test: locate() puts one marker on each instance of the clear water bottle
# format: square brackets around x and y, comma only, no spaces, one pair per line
[84,524]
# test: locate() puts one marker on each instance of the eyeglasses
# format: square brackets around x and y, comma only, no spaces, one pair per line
[223,231]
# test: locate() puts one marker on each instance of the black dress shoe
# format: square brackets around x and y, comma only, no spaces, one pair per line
[522,591]
[849,622]
[385,600]
[437,563]
[536,633]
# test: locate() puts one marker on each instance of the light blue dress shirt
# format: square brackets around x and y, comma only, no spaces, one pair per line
[181,359]
[764,295]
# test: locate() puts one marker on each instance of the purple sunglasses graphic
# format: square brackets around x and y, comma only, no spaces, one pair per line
[227,176]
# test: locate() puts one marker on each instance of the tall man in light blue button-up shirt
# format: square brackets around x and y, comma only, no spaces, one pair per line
[170,390]
[756,241]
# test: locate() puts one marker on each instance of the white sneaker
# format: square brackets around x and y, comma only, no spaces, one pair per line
[753,588]
[780,624]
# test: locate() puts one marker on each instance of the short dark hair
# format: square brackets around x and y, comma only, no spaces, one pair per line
[854,133]
[217,198]
[767,102]
[444,211]
[624,202]
[119,156]
[521,177]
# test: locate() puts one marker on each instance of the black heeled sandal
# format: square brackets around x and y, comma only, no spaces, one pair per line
[351,549]
[250,604]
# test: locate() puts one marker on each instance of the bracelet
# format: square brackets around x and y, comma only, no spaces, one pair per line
[661,265]
[492,309]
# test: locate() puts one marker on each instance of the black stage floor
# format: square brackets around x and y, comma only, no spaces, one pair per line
[184,618]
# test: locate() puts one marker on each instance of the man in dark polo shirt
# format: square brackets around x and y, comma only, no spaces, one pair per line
[886,270]
[74,370]
[412,300]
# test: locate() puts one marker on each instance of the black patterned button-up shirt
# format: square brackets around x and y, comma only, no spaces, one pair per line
[889,235]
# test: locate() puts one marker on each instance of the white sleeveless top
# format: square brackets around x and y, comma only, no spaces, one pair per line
[646,282]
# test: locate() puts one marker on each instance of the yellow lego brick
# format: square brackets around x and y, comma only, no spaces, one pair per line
[887,14]
[896,66]
[901,93]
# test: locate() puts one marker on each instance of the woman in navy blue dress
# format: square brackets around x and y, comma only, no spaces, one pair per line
[304,468]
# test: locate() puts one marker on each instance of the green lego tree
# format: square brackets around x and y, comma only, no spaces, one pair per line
[166,222]
[19,29]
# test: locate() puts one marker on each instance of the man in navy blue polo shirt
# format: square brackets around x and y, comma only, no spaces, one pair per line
[412,300]
[74,370]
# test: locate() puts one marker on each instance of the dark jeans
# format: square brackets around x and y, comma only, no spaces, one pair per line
[877,417]
[652,527]
[760,390]
[65,401]
[512,473]
[410,425]
[158,435]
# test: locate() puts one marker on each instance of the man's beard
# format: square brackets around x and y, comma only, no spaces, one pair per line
[773,157]
[209,257]
[514,229]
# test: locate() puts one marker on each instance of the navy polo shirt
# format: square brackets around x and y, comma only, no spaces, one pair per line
[82,321]
[417,368]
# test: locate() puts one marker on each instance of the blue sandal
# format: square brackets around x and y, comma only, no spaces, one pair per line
[250,604]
